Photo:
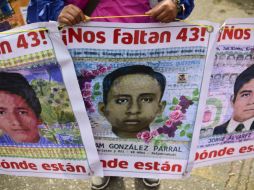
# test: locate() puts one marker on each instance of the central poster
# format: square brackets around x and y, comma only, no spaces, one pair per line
[141,85]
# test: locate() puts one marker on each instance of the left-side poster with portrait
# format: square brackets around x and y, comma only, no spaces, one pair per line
[44,130]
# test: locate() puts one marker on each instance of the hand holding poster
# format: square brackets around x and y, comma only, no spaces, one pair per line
[40,108]
[227,127]
[141,85]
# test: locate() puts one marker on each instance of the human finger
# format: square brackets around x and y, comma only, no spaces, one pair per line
[71,15]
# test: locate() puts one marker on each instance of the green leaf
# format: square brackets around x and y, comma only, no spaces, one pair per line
[195,99]
[172,108]
[182,133]
[159,120]
[175,101]
[159,116]
[186,127]
[189,135]
[96,86]
[180,127]
[195,92]
[97,93]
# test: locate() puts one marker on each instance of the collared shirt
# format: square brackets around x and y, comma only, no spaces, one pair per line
[233,124]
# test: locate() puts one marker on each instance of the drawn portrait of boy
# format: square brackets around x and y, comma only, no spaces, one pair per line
[242,103]
[132,99]
[20,111]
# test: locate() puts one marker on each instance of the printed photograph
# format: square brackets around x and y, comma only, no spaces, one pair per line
[229,106]
[35,108]
[242,102]
[138,100]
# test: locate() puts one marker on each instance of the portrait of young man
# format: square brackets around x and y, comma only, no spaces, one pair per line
[132,99]
[242,103]
[20,111]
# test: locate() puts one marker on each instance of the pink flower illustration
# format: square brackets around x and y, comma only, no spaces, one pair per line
[145,135]
[178,107]
[87,85]
[176,116]
[139,135]
[96,72]
[88,74]
[154,133]
[87,94]
[172,122]
[102,69]
[168,123]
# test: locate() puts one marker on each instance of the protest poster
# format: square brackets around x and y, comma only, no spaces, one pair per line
[44,128]
[141,85]
[227,129]
[12,13]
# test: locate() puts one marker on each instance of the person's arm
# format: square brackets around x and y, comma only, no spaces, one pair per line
[169,10]
[44,10]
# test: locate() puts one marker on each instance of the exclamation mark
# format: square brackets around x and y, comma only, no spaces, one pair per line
[42,33]
[203,32]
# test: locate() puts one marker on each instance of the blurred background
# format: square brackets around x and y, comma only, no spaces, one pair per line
[238,175]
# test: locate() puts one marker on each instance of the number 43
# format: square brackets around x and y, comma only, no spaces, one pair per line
[22,41]
[195,34]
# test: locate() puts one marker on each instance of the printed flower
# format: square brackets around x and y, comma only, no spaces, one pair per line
[139,135]
[178,123]
[172,130]
[178,107]
[176,116]
[92,110]
[145,135]
[95,72]
[86,94]
[87,85]
[168,123]
[88,104]
[154,133]
[171,124]
[102,69]
[160,130]
[184,103]
[88,75]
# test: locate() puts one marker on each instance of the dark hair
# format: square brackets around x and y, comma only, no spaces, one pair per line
[134,69]
[15,83]
[243,78]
